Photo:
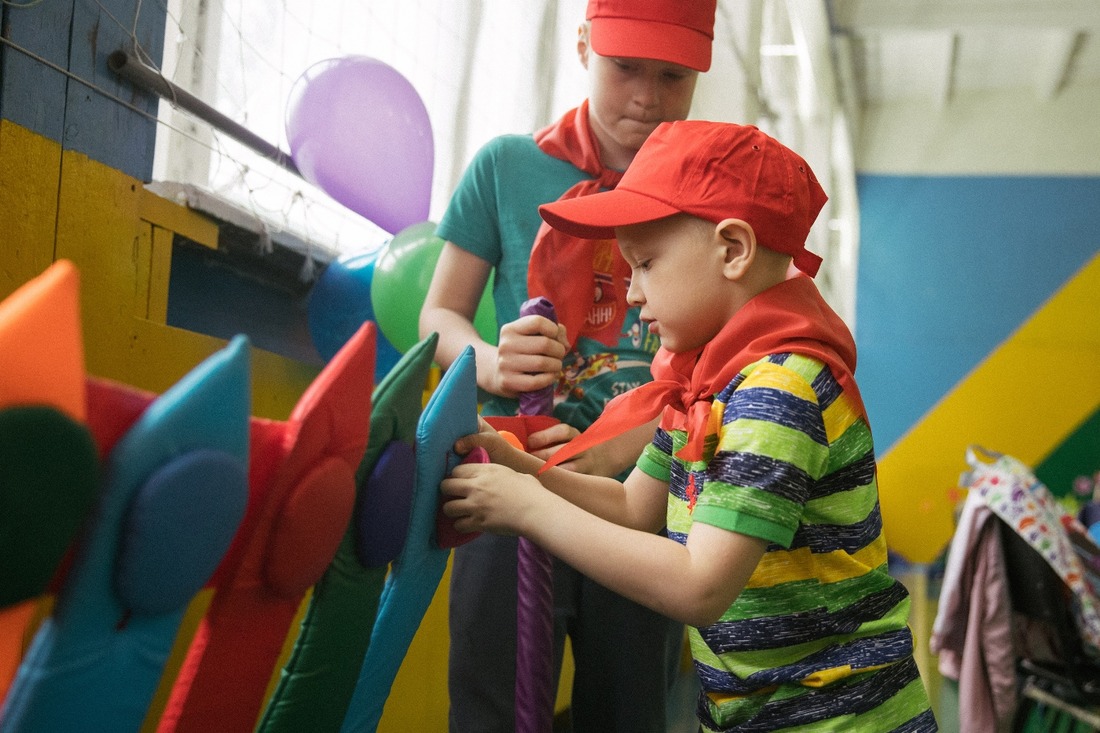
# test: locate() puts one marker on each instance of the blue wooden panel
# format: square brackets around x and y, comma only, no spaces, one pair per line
[209,297]
[54,78]
[32,94]
[950,267]
[96,125]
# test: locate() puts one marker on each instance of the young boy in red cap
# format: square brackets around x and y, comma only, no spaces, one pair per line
[763,467]
[643,58]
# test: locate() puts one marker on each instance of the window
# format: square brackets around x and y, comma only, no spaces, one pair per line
[481,69]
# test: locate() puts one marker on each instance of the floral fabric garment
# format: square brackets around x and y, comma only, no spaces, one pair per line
[1014,494]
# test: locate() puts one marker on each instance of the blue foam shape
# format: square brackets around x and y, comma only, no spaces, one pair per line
[178,528]
[385,505]
[93,664]
[450,414]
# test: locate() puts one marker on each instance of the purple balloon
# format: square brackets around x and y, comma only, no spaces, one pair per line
[358,130]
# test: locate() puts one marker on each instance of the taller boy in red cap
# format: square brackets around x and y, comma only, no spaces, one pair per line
[763,466]
[643,58]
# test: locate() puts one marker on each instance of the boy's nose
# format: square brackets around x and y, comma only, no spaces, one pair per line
[634,294]
[647,92]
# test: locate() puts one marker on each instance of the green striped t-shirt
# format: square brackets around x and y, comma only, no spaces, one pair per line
[818,639]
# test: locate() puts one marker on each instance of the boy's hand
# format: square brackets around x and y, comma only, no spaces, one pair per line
[500,450]
[486,497]
[546,443]
[605,459]
[529,356]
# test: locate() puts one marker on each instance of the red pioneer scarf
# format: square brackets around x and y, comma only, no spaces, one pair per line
[585,280]
[789,317]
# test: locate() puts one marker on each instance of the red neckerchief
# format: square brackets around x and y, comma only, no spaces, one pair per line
[585,280]
[789,317]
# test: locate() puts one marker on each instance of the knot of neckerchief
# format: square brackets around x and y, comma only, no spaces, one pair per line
[790,317]
[586,280]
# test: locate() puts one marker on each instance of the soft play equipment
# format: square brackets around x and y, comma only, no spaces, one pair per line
[318,680]
[451,412]
[49,471]
[173,494]
[40,339]
[301,497]
[358,130]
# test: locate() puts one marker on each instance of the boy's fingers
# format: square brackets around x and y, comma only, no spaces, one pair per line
[447,488]
[532,326]
[454,486]
[562,337]
[458,483]
[490,440]
[545,453]
[452,509]
[467,443]
[544,326]
[554,435]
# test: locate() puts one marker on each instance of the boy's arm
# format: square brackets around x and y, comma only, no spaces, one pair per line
[636,504]
[530,349]
[694,584]
[606,459]
[451,303]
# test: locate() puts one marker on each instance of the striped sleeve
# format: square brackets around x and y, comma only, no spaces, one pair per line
[656,459]
[772,446]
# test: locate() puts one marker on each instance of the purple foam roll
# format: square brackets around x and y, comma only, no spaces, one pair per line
[535,684]
[541,401]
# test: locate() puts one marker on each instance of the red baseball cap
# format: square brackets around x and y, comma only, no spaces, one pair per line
[677,31]
[712,170]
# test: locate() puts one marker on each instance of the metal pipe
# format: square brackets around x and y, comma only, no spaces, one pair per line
[151,80]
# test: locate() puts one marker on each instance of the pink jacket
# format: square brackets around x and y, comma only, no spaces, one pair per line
[972,632]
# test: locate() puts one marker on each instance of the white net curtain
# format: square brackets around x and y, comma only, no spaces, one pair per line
[482,68]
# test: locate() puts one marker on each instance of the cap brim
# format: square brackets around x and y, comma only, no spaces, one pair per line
[630,38]
[596,216]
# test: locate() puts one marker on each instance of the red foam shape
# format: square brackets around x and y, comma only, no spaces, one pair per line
[298,470]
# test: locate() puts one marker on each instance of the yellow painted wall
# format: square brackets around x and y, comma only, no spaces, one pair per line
[1053,359]
[65,206]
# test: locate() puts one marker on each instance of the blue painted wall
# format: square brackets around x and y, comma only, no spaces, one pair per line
[56,82]
[949,267]
[208,296]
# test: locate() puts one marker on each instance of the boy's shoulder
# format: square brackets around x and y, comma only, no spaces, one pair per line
[516,150]
[512,141]
[787,371]
[510,144]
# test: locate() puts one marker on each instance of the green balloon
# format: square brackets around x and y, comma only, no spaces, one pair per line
[485,320]
[402,275]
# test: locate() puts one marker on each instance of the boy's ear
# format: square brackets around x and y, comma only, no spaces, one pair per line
[582,44]
[739,241]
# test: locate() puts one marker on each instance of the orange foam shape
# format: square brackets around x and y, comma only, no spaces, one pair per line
[42,343]
[512,440]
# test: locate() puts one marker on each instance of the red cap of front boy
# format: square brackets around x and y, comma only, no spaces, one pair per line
[677,31]
[712,170]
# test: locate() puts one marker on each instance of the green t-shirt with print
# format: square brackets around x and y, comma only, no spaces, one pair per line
[494,215]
